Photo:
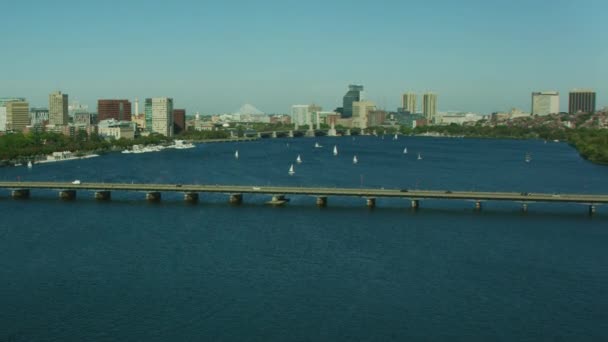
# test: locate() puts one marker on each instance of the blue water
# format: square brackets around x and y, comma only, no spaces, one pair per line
[135,271]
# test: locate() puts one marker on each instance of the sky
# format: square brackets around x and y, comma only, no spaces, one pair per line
[215,56]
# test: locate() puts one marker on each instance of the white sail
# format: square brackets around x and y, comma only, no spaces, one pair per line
[298,160]
[317,145]
[291,171]
[395,138]
[335,150]
[29,164]
[355,160]
[419,156]
[236,154]
[405,150]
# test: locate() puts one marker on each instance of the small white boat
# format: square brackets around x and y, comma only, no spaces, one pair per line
[405,150]
[335,150]
[236,154]
[291,171]
[419,156]
[29,164]
[317,145]
[355,160]
[299,160]
[528,157]
[395,137]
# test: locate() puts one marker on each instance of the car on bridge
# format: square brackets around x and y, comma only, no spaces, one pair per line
[76,182]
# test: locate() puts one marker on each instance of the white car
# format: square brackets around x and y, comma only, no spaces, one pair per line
[77,182]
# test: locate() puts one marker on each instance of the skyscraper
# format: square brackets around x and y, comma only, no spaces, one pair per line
[581,100]
[160,110]
[408,102]
[300,115]
[179,120]
[17,115]
[58,108]
[114,109]
[545,103]
[148,114]
[429,106]
[354,94]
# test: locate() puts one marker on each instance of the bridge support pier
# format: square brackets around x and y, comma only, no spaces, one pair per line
[415,204]
[20,193]
[478,205]
[153,196]
[191,197]
[290,134]
[371,202]
[274,134]
[278,200]
[591,210]
[524,207]
[321,201]
[103,195]
[236,199]
[67,195]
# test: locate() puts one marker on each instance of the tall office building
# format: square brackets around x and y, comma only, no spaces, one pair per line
[581,100]
[300,115]
[429,106]
[179,121]
[361,111]
[114,109]
[354,94]
[38,116]
[159,115]
[545,103]
[58,108]
[408,102]
[17,116]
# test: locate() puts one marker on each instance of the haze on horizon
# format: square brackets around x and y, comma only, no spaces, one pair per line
[212,57]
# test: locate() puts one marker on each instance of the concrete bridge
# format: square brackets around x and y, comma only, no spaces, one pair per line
[102,191]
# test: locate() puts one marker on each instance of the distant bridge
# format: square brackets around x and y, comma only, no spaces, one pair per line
[102,191]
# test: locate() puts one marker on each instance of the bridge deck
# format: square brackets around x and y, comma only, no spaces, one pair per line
[315,191]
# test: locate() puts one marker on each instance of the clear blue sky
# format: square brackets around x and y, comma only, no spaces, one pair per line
[213,56]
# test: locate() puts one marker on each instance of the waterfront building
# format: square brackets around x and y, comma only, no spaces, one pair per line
[17,116]
[408,102]
[354,94]
[179,121]
[58,109]
[376,118]
[114,109]
[545,103]
[361,110]
[581,100]
[116,129]
[4,120]
[300,115]
[458,118]
[429,106]
[159,115]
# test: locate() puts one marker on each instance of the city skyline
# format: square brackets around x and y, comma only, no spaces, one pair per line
[274,55]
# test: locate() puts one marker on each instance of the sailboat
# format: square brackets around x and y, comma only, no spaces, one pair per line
[419,156]
[335,150]
[395,137]
[236,154]
[291,171]
[317,145]
[355,160]
[29,164]
[528,157]
[405,150]
[299,160]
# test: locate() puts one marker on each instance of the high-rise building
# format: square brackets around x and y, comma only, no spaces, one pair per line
[114,109]
[354,94]
[17,115]
[429,106]
[4,101]
[58,109]
[361,111]
[148,114]
[179,121]
[581,100]
[545,103]
[159,115]
[408,102]
[300,115]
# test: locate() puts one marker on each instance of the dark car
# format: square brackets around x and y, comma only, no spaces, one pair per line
[448,192]
[403,190]
[178,185]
